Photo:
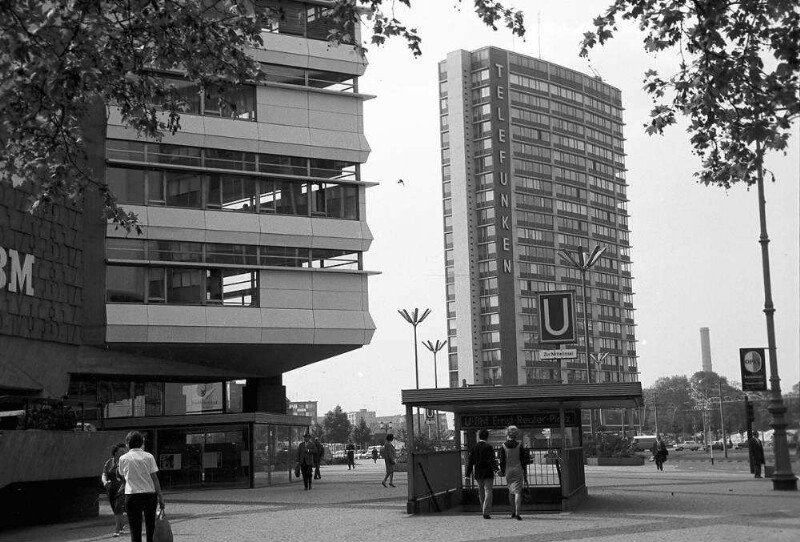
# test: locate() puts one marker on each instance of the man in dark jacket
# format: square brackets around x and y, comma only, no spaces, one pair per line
[482,462]
[756,453]
[318,459]
[306,453]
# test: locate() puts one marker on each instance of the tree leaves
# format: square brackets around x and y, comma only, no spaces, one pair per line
[57,57]
[738,80]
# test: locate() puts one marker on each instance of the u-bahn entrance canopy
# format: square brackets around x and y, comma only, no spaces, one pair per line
[436,480]
[488,399]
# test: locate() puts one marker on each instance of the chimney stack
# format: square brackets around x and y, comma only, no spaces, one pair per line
[705,349]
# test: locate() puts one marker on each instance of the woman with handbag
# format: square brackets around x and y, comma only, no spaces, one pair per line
[115,487]
[512,465]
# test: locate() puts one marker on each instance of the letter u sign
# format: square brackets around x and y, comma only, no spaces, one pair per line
[556,317]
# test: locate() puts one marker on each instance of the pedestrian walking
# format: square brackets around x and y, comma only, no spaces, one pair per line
[350,448]
[374,455]
[660,452]
[756,452]
[512,466]
[482,462]
[114,485]
[306,454]
[318,459]
[390,458]
[142,489]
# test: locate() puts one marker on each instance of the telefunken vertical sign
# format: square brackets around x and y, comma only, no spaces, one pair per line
[754,369]
[503,191]
[556,317]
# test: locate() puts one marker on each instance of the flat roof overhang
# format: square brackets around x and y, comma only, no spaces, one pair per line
[493,399]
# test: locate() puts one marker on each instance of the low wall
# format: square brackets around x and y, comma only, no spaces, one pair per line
[52,476]
[37,456]
[438,489]
[633,461]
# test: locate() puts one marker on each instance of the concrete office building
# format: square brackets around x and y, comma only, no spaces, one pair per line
[249,265]
[532,163]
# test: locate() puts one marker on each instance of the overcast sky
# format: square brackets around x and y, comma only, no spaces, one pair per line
[695,252]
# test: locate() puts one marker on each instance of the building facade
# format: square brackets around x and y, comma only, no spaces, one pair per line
[249,265]
[532,164]
[369,417]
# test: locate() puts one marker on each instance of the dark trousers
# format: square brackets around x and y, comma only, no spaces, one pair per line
[136,505]
[757,469]
[317,475]
[351,460]
[308,471]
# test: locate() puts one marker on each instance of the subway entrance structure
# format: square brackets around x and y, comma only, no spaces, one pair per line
[549,418]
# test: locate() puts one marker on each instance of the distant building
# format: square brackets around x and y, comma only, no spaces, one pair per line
[303,408]
[367,415]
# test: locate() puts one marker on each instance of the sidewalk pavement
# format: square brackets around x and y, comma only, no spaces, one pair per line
[683,503]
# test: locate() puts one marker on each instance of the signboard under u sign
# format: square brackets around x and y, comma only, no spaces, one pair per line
[556,317]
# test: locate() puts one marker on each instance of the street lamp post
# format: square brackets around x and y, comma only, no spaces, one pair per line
[584,262]
[415,318]
[783,478]
[434,349]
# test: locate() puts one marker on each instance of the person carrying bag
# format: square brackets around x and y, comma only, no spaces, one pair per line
[163,530]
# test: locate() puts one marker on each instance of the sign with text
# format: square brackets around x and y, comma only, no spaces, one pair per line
[556,317]
[536,419]
[754,369]
[563,353]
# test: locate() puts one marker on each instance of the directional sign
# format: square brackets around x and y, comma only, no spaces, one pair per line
[564,353]
[556,317]
[754,369]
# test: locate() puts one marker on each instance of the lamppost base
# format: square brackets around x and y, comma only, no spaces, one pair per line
[784,483]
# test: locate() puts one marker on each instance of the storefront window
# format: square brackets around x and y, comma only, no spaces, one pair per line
[191,458]
[192,398]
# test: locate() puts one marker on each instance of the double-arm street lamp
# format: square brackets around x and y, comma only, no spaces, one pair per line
[415,318]
[583,261]
[434,348]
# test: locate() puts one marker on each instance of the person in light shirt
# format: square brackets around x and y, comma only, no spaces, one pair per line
[142,490]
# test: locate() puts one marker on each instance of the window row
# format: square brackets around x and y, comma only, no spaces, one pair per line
[231,192]
[237,102]
[312,21]
[534,152]
[181,286]
[153,250]
[306,77]
[207,158]
[536,185]
[525,133]
[529,218]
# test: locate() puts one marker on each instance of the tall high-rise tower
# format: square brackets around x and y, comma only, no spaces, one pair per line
[705,349]
[532,163]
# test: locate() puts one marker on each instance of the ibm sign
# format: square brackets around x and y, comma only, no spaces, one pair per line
[16,271]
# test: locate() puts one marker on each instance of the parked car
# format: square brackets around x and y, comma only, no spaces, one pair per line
[688,445]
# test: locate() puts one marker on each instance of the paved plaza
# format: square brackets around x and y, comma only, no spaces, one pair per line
[689,501]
